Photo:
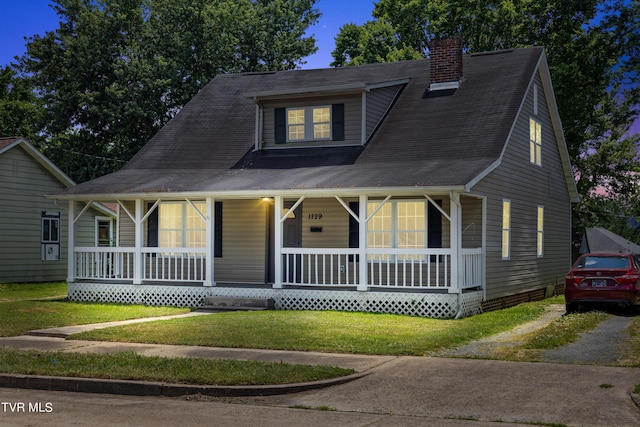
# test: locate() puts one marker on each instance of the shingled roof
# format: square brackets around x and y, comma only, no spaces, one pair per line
[425,140]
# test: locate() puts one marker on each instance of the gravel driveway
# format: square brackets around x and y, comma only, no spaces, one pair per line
[603,346]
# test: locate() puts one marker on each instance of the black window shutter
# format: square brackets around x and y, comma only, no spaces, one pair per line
[217,241]
[354,227]
[434,222]
[337,122]
[152,227]
[281,125]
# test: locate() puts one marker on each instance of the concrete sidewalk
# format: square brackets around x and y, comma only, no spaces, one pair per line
[54,339]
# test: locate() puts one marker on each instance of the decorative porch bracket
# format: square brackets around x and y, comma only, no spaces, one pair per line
[278,237]
[363,220]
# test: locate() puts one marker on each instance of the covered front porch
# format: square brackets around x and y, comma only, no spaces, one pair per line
[379,253]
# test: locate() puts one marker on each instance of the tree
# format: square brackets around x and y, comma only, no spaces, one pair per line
[115,71]
[19,107]
[592,48]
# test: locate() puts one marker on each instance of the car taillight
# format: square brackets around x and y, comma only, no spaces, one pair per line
[627,279]
[571,279]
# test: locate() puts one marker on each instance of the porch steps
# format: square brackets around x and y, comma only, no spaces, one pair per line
[217,303]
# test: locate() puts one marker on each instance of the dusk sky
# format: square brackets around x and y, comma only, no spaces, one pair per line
[20,19]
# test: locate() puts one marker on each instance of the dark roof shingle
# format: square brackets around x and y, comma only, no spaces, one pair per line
[424,141]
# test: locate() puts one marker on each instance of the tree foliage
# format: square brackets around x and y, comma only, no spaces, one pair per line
[115,71]
[19,107]
[592,47]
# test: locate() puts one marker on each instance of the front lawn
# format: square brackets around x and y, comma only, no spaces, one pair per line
[25,307]
[340,332]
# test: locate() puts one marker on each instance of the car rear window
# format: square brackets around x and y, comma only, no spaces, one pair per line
[603,262]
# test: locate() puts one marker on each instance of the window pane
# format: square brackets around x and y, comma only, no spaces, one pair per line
[195,239]
[382,219]
[295,117]
[322,131]
[321,115]
[506,214]
[170,215]
[296,133]
[54,231]
[505,243]
[506,228]
[193,219]
[45,230]
[379,239]
[170,238]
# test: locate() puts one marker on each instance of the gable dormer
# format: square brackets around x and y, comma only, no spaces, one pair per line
[328,116]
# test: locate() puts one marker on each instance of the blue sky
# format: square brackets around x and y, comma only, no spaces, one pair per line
[24,18]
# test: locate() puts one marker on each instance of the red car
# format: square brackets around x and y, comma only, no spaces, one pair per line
[612,278]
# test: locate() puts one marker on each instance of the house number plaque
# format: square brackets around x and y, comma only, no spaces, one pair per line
[315,216]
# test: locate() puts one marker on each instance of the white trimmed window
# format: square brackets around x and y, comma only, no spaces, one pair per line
[50,236]
[397,224]
[540,232]
[308,123]
[535,142]
[104,231]
[180,226]
[506,229]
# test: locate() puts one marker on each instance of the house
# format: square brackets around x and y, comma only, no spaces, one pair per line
[32,227]
[436,187]
[598,239]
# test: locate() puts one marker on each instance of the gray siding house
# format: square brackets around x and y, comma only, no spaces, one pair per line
[33,228]
[436,187]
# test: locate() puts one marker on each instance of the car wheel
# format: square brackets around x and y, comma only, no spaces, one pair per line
[571,307]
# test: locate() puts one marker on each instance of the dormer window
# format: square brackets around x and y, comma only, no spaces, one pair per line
[308,123]
[312,123]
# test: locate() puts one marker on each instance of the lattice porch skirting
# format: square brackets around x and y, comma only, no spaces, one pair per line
[413,304]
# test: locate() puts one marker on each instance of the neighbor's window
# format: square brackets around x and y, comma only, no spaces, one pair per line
[50,236]
[535,142]
[180,225]
[506,229]
[308,123]
[540,233]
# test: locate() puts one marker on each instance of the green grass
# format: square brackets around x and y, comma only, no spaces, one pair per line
[130,366]
[362,333]
[29,306]
[27,291]
[24,307]
[564,330]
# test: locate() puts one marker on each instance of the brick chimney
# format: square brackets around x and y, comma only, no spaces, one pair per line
[446,63]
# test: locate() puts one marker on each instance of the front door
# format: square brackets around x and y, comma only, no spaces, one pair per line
[292,238]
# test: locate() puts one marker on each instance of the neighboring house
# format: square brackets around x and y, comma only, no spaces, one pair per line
[598,239]
[33,228]
[434,187]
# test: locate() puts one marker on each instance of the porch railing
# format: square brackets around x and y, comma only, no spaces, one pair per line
[472,268]
[158,264]
[386,268]
[320,267]
[174,265]
[106,263]
[409,268]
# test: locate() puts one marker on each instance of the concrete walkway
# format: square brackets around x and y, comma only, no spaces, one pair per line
[440,388]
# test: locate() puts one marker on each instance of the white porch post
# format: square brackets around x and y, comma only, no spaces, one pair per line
[210,243]
[362,243]
[455,242]
[277,240]
[138,261]
[71,238]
